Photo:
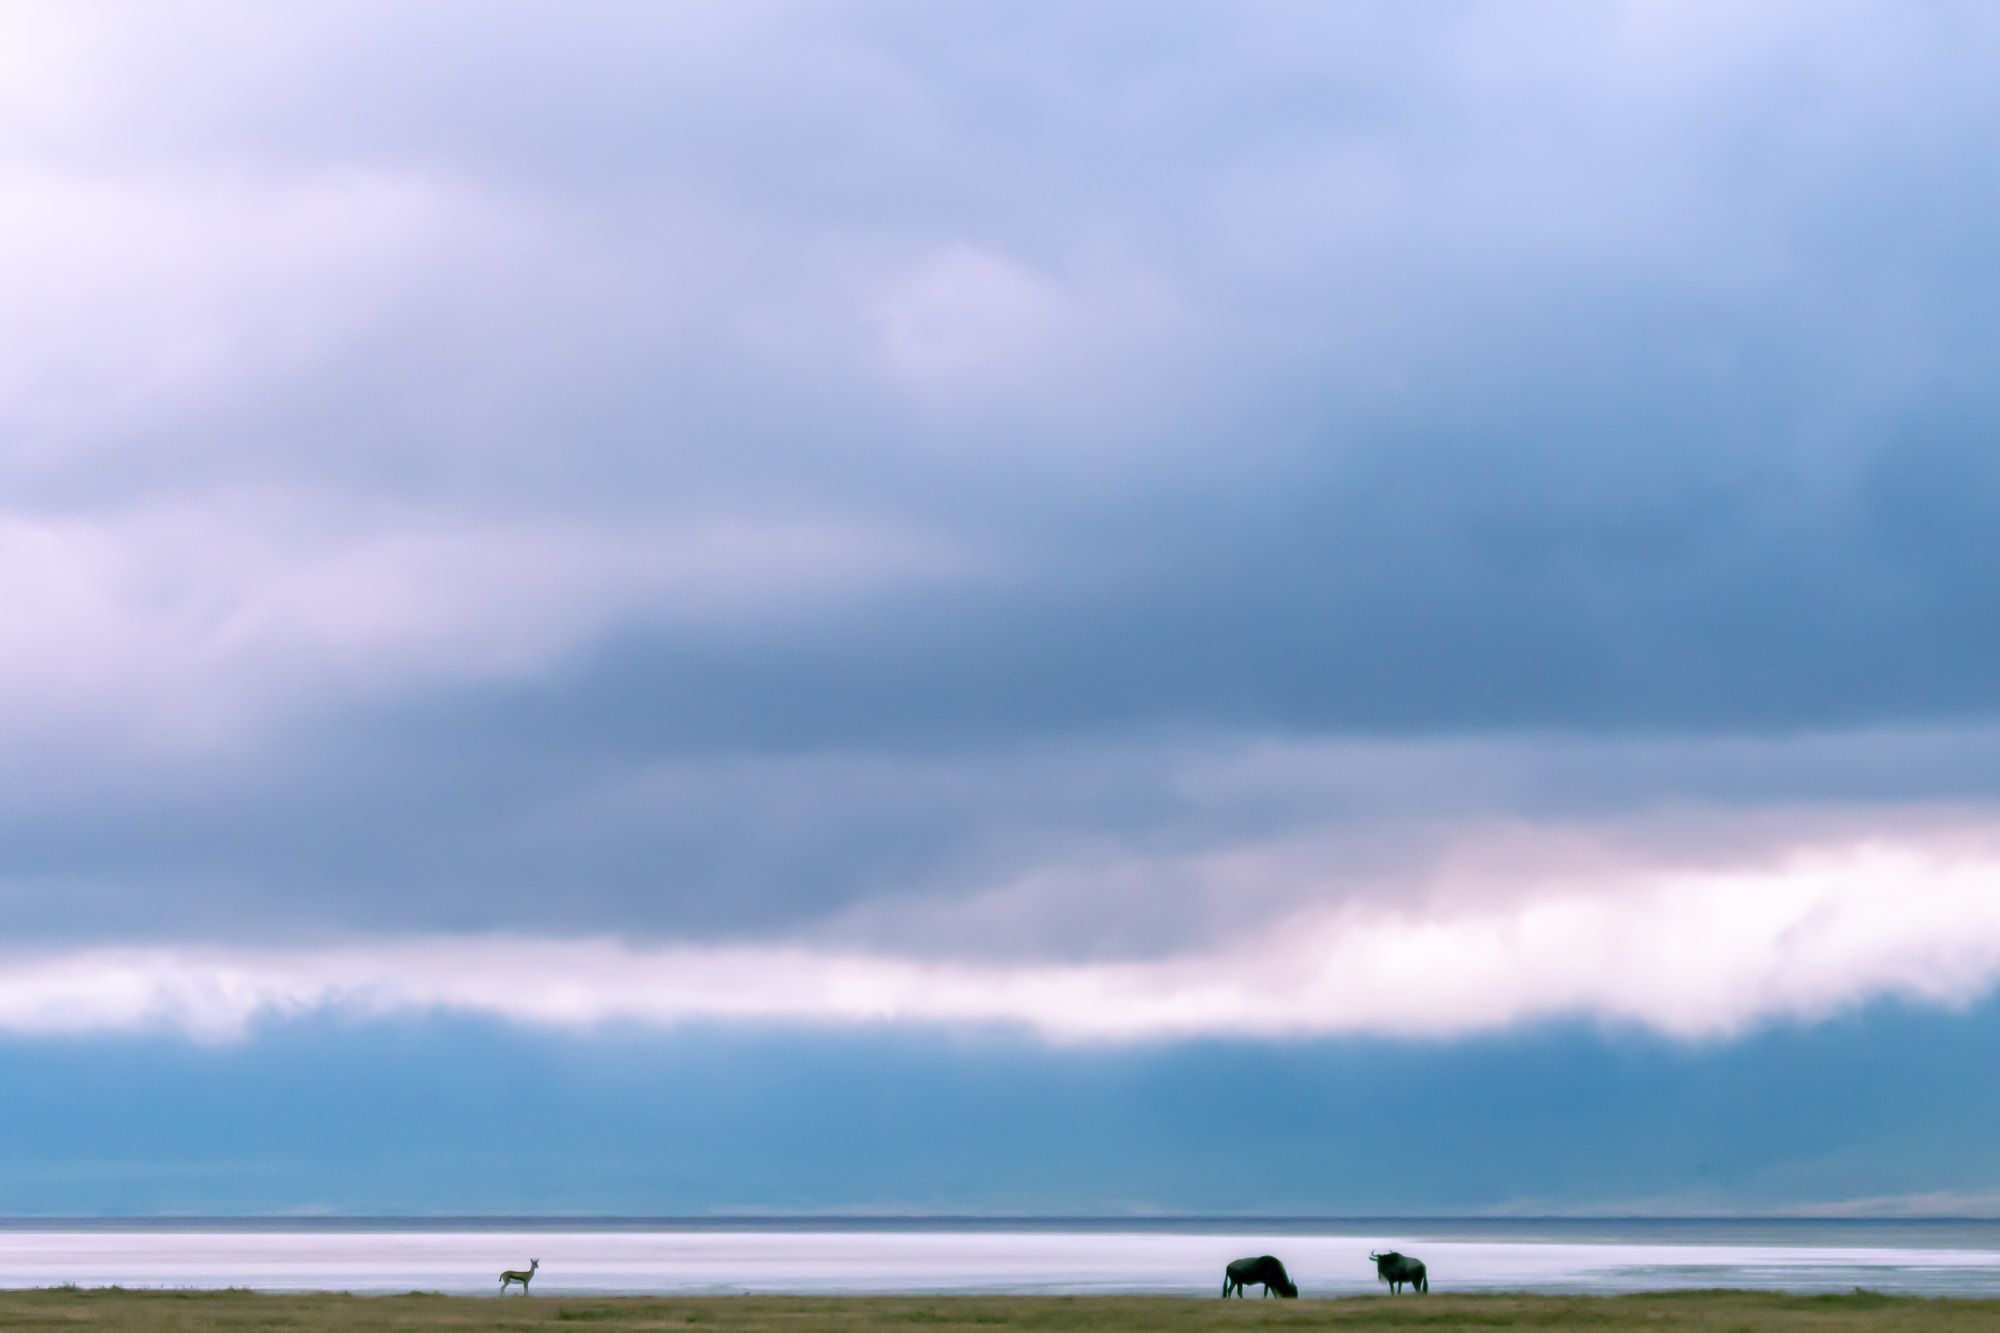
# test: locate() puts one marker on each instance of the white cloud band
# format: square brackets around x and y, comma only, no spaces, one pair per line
[1691,956]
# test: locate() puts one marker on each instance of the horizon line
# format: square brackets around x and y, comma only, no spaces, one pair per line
[760,1219]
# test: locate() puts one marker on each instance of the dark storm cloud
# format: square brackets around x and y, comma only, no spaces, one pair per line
[720,470]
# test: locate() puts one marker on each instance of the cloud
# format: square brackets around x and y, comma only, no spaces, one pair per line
[180,623]
[1411,418]
[1691,955]
[991,490]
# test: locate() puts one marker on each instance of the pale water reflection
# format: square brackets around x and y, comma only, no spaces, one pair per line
[1045,1257]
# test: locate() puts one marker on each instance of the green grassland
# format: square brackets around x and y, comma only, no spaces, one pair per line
[170,1311]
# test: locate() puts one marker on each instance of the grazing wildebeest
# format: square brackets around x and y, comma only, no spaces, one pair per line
[1263,1271]
[1396,1269]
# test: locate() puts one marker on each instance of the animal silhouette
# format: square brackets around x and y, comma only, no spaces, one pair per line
[1264,1271]
[1400,1269]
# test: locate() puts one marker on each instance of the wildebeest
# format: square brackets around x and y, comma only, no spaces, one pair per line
[1396,1269]
[1263,1271]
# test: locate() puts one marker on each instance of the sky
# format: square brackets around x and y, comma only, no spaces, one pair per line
[998,607]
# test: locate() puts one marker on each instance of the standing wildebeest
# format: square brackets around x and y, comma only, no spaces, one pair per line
[1264,1270]
[1396,1269]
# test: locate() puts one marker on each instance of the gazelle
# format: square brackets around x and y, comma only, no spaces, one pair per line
[516,1275]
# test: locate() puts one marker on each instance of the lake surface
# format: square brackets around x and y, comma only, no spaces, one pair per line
[1175,1257]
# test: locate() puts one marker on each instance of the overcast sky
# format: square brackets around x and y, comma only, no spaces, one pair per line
[889,556]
